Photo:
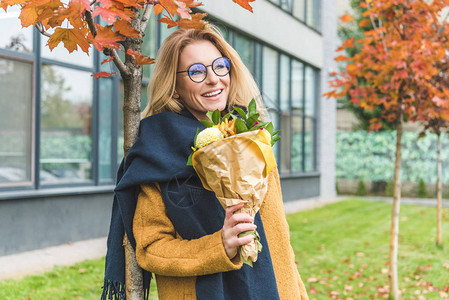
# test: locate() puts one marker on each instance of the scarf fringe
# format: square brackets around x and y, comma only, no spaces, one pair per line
[115,290]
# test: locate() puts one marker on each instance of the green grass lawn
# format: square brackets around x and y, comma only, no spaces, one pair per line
[341,249]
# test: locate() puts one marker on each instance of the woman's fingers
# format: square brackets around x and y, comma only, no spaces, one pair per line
[234,224]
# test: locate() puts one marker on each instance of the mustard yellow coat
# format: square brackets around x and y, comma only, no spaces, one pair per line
[177,262]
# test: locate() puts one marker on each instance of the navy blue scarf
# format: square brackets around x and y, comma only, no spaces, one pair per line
[160,155]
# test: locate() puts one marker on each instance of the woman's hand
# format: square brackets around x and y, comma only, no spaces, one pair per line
[234,224]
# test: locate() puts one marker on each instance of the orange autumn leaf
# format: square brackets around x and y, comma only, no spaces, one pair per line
[102,74]
[5,3]
[71,38]
[107,60]
[245,4]
[157,9]
[124,28]
[140,58]
[346,18]
[106,38]
[168,21]
[365,23]
[170,6]
[196,21]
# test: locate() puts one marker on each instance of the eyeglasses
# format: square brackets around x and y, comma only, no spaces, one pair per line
[198,72]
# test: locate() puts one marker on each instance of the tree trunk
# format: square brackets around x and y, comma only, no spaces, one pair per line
[439,196]
[132,85]
[393,272]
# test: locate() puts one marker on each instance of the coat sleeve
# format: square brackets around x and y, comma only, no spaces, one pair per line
[159,249]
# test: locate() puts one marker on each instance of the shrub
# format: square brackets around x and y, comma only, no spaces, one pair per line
[389,189]
[361,189]
[422,189]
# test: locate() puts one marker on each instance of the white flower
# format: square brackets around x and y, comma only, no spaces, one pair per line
[207,136]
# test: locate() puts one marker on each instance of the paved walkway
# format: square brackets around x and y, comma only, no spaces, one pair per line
[37,261]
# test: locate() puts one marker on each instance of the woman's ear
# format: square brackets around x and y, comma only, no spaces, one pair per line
[175,95]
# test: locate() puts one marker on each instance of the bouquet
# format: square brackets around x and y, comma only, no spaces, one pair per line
[233,159]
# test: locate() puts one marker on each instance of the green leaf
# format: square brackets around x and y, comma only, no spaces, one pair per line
[260,125]
[189,160]
[226,116]
[270,128]
[252,107]
[240,126]
[251,120]
[209,114]
[216,117]
[274,139]
[276,132]
[196,134]
[207,123]
[241,112]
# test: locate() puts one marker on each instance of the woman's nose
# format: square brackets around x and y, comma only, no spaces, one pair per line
[211,77]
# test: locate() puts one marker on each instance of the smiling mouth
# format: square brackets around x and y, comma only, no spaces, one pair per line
[212,93]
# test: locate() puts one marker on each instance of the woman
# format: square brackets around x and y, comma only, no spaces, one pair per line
[180,231]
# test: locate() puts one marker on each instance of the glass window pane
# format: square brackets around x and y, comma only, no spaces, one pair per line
[245,48]
[298,9]
[60,53]
[105,129]
[312,14]
[270,77]
[296,147]
[273,117]
[309,138]
[12,35]
[286,5]
[297,86]
[121,140]
[16,104]
[66,120]
[165,31]
[310,85]
[285,143]
[285,83]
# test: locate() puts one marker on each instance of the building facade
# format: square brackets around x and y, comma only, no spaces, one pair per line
[61,133]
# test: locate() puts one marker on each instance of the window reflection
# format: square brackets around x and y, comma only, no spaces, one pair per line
[270,77]
[309,149]
[285,83]
[105,129]
[245,49]
[310,84]
[12,35]
[60,53]
[15,121]
[296,147]
[66,120]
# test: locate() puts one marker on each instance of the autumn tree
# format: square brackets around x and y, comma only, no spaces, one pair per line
[436,121]
[77,24]
[392,73]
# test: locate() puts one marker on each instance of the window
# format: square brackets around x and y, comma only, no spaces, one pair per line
[16,122]
[297,113]
[66,125]
[269,88]
[12,36]
[245,49]
[284,97]
[105,132]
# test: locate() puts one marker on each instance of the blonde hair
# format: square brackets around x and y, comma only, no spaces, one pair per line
[162,85]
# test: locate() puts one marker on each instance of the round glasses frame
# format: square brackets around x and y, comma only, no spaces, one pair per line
[189,71]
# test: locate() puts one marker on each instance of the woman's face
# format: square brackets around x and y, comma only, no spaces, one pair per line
[208,95]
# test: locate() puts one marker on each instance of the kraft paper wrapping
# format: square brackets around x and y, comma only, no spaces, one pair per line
[236,169]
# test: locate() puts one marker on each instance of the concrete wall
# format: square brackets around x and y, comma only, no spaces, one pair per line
[43,221]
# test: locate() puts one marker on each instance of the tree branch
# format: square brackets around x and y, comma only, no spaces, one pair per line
[441,27]
[145,18]
[41,30]
[110,52]
[90,23]
[119,63]
[376,29]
